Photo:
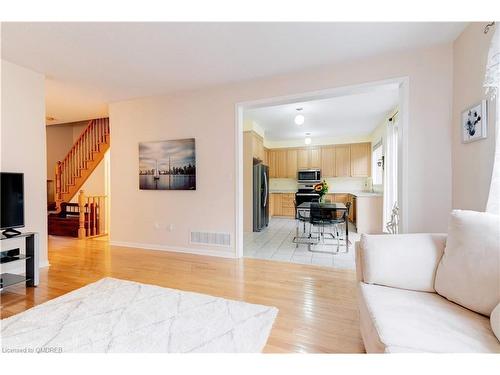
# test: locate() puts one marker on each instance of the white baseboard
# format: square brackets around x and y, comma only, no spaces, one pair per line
[222,253]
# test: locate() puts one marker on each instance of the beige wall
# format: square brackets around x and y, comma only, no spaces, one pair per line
[472,162]
[23,142]
[59,142]
[209,116]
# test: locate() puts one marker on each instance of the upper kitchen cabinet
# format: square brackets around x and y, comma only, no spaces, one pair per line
[291,163]
[272,160]
[342,161]
[360,159]
[257,146]
[309,158]
[281,161]
[328,161]
[345,160]
[302,158]
[315,158]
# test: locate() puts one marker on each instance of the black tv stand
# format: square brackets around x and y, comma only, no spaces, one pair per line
[30,256]
[10,232]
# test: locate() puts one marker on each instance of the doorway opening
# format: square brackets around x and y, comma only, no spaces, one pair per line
[354,139]
[78,175]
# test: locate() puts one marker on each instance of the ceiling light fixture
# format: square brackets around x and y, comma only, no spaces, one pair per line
[307,140]
[299,118]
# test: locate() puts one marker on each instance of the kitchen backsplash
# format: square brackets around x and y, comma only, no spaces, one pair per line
[336,184]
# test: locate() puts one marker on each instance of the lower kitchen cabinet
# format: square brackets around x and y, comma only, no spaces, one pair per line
[369,214]
[282,204]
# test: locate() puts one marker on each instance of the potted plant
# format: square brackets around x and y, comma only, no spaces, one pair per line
[321,188]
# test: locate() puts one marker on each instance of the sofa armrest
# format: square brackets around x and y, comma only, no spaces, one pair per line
[405,261]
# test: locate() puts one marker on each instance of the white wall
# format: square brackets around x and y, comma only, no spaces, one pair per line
[23,142]
[59,142]
[472,162]
[209,116]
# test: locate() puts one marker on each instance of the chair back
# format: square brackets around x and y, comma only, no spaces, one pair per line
[319,214]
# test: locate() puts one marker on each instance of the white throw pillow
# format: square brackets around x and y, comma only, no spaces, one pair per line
[469,271]
[495,321]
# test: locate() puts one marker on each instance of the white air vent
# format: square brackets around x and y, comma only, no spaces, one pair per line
[211,238]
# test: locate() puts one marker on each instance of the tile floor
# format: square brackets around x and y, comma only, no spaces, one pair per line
[276,243]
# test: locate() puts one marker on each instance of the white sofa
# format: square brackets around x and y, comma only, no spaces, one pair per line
[399,308]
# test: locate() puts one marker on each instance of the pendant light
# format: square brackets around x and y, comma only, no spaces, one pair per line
[307,139]
[299,118]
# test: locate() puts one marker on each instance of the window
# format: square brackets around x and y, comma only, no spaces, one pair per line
[378,164]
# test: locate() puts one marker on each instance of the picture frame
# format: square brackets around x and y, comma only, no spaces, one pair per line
[167,165]
[474,122]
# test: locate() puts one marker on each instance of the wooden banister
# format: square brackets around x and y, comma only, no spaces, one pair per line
[80,161]
[81,206]
[92,215]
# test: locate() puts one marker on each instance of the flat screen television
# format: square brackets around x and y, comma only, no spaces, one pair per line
[12,202]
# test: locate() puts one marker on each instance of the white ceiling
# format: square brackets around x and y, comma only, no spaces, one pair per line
[91,64]
[357,114]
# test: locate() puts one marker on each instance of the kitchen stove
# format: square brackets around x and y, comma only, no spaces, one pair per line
[306,193]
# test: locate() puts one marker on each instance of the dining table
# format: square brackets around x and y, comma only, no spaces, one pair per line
[333,206]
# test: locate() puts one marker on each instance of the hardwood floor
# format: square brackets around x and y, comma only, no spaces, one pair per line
[317,305]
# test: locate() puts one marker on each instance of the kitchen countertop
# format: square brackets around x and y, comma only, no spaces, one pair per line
[355,193]
[358,193]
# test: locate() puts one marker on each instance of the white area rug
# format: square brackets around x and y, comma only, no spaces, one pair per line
[114,315]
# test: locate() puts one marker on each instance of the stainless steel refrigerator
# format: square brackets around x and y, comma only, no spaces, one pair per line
[260,197]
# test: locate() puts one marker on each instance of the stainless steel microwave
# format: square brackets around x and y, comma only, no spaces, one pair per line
[309,175]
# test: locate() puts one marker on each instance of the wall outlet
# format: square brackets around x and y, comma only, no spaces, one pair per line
[170,227]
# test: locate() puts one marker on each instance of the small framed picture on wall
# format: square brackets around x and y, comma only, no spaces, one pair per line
[475,122]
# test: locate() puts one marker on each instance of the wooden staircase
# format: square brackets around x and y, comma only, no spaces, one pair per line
[85,155]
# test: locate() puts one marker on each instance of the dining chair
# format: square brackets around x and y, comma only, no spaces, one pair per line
[323,217]
[302,219]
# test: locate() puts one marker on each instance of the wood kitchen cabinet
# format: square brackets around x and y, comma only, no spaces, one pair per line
[360,159]
[309,158]
[291,163]
[342,161]
[302,158]
[352,211]
[272,163]
[282,204]
[346,160]
[328,161]
[314,158]
[281,161]
[257,146]
[341,197]
[287,204]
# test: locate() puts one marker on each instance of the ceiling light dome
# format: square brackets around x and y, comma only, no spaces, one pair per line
[307,140]
[299,118]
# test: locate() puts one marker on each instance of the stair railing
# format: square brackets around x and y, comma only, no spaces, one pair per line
[92,218]
[76,160]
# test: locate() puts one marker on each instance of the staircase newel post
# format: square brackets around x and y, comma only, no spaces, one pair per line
[81,206]
[58,184]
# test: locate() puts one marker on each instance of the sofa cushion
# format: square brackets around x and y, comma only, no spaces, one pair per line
[495,321]
[410,321]
[468,272]
[407,261]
